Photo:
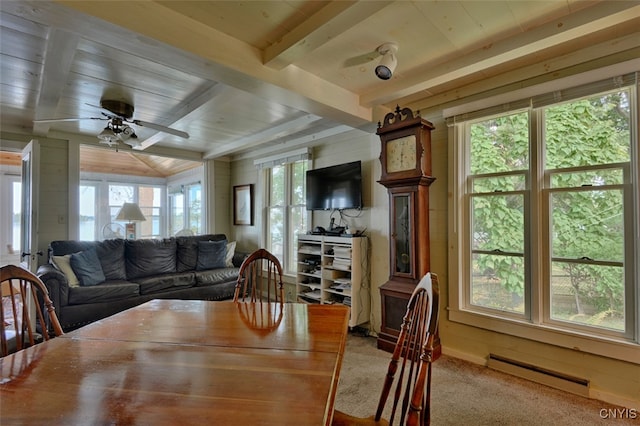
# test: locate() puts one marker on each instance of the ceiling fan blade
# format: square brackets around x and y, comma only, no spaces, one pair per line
[161,128]
[55,120]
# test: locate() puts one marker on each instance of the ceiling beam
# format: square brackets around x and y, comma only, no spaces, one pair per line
[329,22]
[300,142]
[273,132]
[201,96]
[58,58]
[238,65]
[596,18]
[620,51]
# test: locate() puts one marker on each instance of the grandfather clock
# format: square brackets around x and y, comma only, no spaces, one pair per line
[406,173]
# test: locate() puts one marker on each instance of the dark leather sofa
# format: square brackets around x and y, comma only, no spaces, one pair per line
[136,271]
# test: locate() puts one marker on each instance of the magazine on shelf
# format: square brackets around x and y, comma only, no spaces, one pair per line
[315,294]
[309,249]
[342,252]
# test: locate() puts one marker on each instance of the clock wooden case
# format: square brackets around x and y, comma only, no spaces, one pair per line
[405,157]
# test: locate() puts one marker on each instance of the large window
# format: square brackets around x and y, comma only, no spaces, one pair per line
[286,211]
[100,202]
[10,197]
[185,209]
[545,233]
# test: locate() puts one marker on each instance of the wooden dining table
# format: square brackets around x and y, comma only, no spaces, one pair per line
[180,362]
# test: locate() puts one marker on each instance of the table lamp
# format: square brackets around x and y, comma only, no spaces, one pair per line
[130,212]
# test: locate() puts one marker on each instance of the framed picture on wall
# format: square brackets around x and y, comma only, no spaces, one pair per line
[243,205]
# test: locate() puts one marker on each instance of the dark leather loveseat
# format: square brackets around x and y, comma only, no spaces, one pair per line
[136,271]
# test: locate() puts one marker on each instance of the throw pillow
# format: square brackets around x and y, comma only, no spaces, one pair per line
[211,254]
[231,250]
[63,263]
[87,268]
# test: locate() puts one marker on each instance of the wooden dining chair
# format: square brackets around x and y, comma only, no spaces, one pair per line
[260,279]
[24,323]
[409,372]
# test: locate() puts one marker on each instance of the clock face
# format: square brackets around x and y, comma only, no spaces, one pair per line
[401,154]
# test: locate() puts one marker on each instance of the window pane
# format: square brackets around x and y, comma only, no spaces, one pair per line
[276,232]
[588,223]
[588,294]
[298,184]
[176,206]
[120,194]
[298,225]
[573,179]
[498,222]
[16,214]
[500,144]
[588,132]
[497,282]
[195,203]
[149,200]
[87,213]
[499,183]
[277,197]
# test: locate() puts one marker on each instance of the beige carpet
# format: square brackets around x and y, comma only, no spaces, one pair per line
[466,394]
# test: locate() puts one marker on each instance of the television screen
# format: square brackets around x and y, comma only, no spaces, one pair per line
[335,188]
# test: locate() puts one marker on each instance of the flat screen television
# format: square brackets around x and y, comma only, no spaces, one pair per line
[335,187]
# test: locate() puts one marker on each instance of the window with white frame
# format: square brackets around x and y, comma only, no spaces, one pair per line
[547,210]
[10,197]
[185,209]
[88,206]
[286,214]
[100,202]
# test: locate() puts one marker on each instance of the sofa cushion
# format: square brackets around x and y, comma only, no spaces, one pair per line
[110,253]
[216,276]
[108,291]
[211,255]
[86,266]
[188,250]
[144,258]
[231,250]
[63,264]
[160,283]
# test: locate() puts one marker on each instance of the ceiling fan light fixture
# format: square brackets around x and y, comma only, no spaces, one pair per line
[388,63]
[107,136]
[126,132]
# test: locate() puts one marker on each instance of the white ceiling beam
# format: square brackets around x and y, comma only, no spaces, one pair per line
[300,142]
[329,22]
[273,132]
[596,18]
[238,65]
[58,58]
[201,96]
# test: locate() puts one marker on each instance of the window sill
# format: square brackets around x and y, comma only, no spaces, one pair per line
[609,348]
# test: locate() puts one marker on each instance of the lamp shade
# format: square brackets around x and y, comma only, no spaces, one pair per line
[130,212]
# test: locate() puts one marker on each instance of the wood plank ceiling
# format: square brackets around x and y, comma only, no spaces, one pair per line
[254,78]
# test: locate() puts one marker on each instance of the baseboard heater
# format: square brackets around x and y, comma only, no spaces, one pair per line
[554,379]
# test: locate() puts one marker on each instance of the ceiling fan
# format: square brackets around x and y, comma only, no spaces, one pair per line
[119,115]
